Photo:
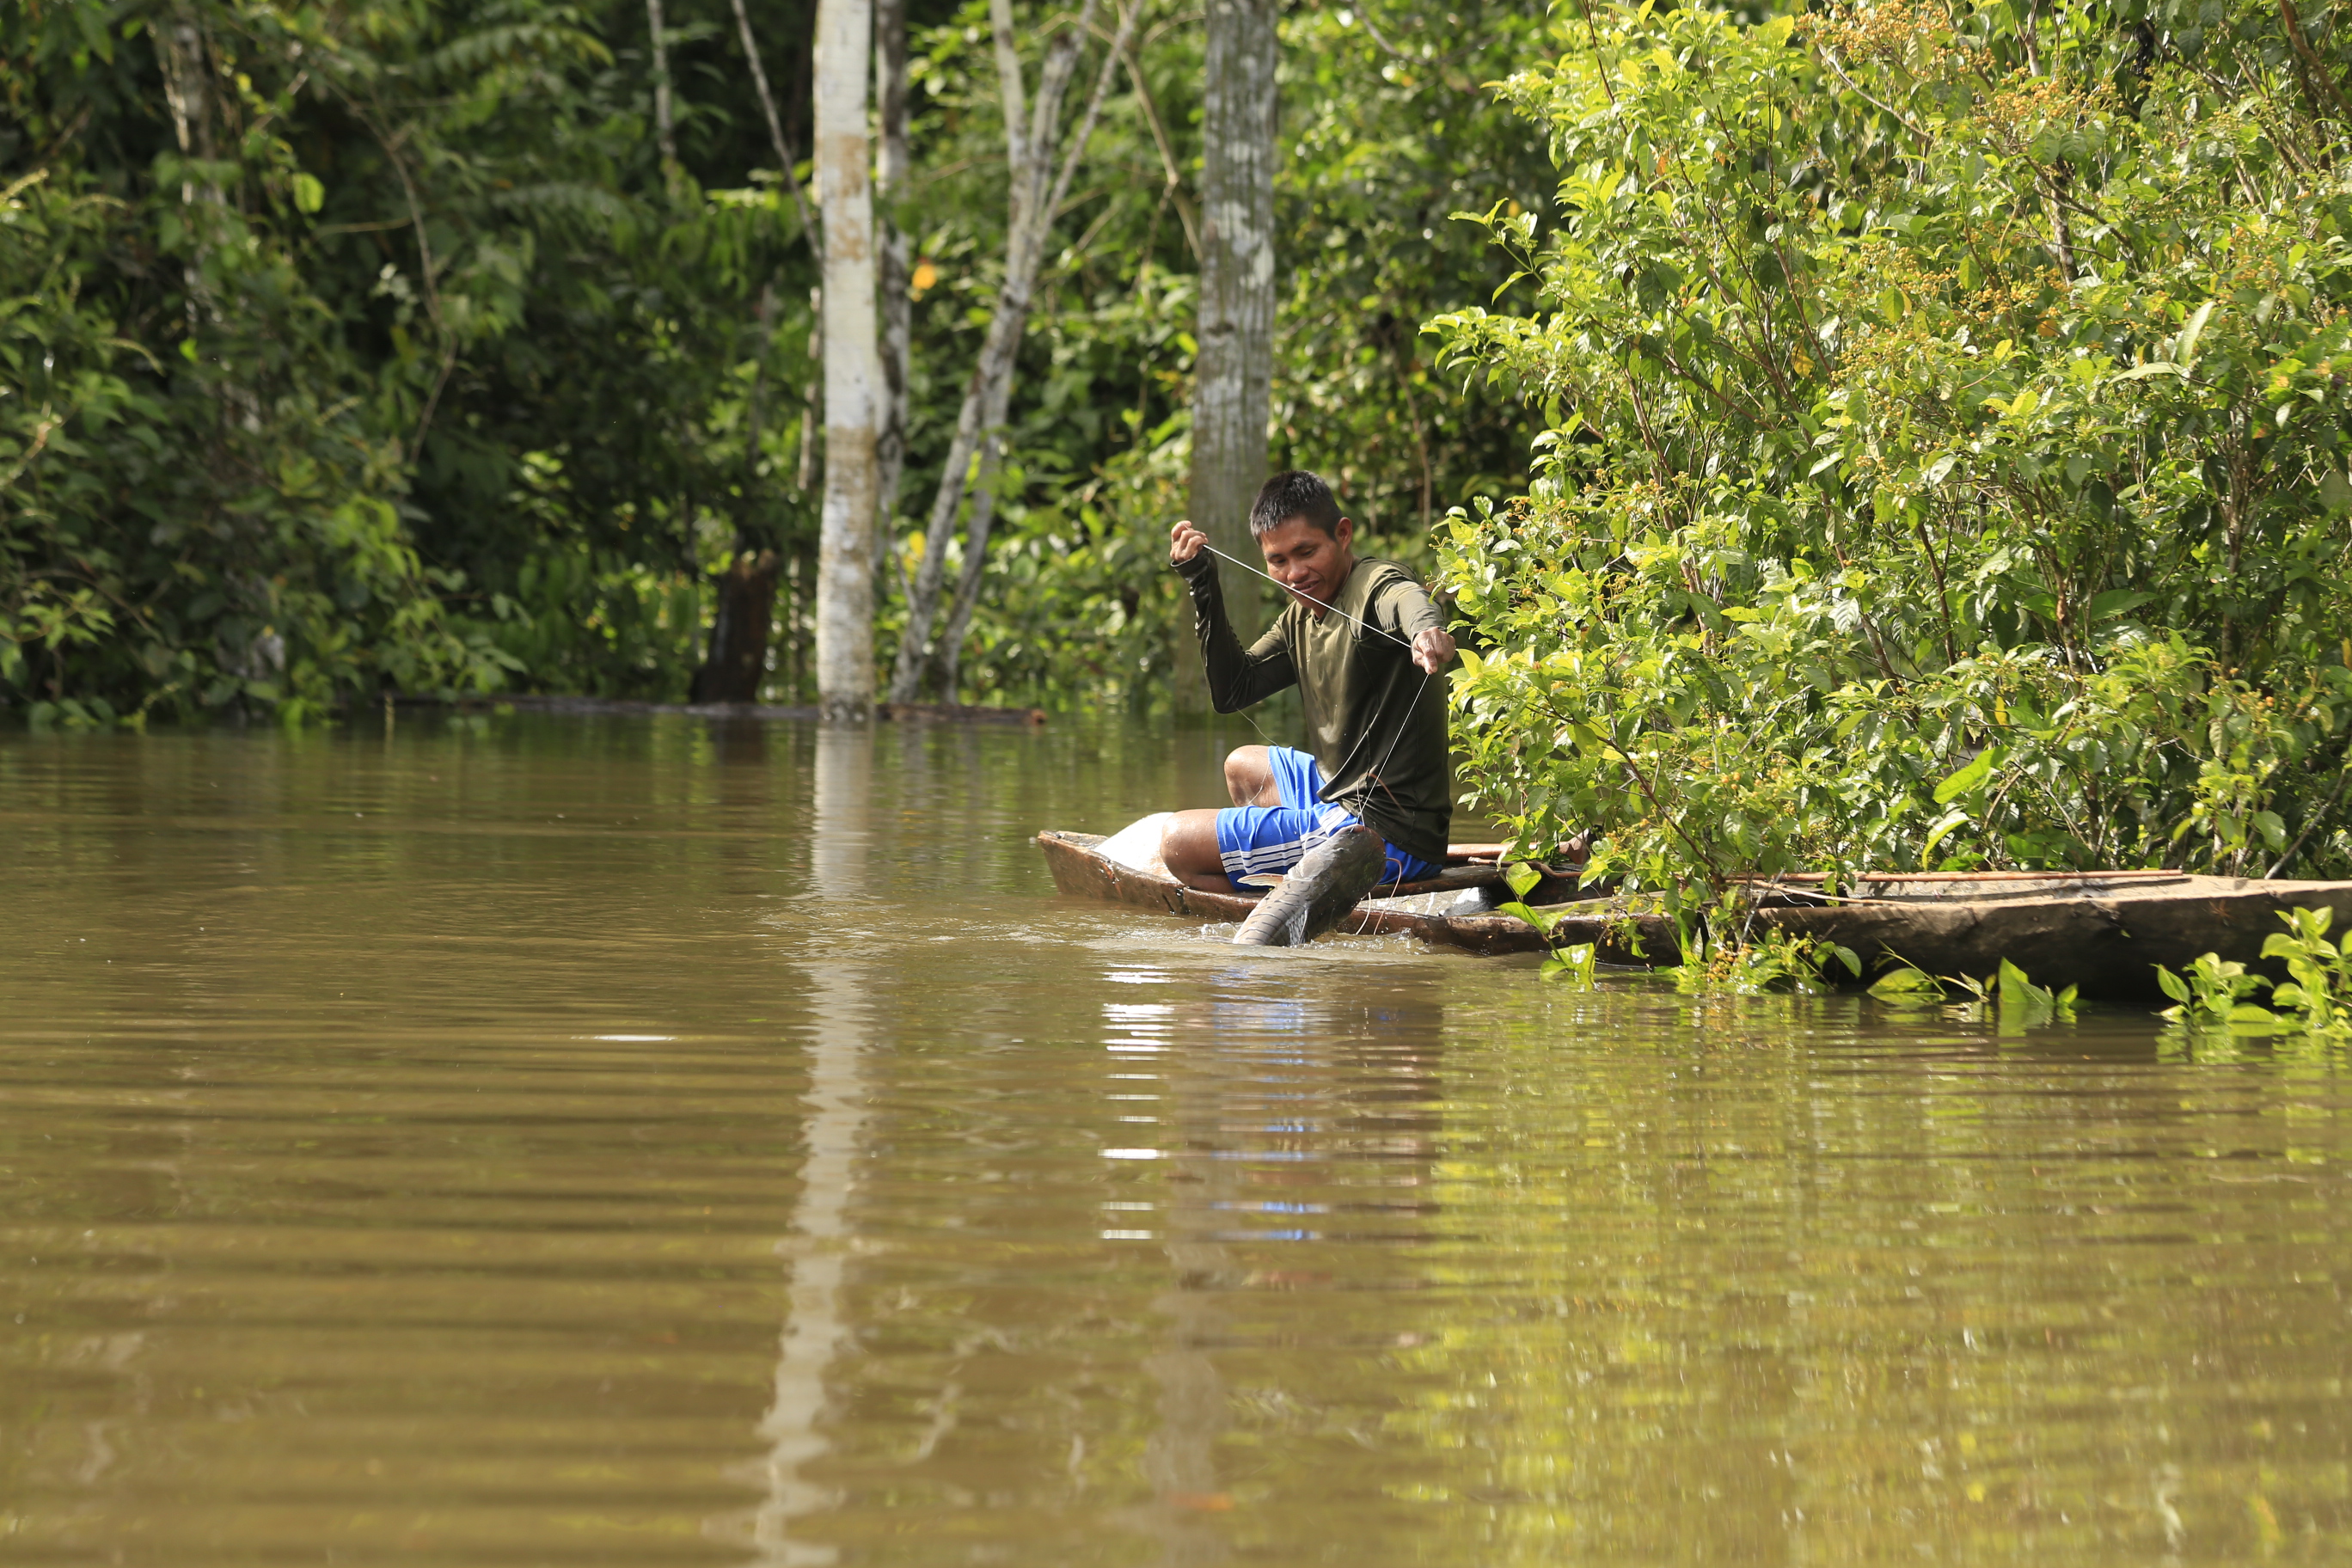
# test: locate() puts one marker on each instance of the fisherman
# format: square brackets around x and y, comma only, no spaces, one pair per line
[1362,643]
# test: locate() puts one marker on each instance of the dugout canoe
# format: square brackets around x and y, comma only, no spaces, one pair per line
[1414,909]
[2101,931]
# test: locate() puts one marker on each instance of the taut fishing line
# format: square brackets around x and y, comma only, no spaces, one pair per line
[1381,631]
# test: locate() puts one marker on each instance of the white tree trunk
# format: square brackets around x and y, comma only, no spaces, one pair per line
[853,362]
[891,165]
[1232,376]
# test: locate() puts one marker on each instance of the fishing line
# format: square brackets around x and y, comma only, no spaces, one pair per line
[1381,631]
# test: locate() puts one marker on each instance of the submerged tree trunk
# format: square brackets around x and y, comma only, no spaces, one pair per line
[739,634]
[1033,137]
[736,665]
[1232,376]
[853,364]
[891,164]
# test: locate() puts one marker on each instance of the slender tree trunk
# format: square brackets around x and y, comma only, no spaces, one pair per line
[187,90]
[665,131]
[809,222]
[737,664]
[892,164]
[812,406]
[1032,138]
[853,362]
[946,654]
[1232,376]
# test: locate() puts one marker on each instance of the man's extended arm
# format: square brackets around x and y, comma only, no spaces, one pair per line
[1409,614]
[1237,676]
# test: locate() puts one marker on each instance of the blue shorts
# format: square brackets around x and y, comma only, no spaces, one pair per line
[1253,840]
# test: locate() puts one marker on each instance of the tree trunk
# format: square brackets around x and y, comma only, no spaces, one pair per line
[1232,376]
[776,138]
[891,164]
[1032,138]
[187,90]
[853,363]
[946,654]
[738,661]
[739,634]
[665,131]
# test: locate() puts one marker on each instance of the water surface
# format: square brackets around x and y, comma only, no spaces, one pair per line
[563,1140]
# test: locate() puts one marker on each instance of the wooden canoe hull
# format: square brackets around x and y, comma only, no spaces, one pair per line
[1081,873]
[2102,933]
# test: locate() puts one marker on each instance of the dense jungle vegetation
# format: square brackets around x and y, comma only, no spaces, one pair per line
[1945,448]
[355,348]
[1940,452]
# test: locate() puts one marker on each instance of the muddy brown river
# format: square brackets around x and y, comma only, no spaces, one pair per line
[536,1140]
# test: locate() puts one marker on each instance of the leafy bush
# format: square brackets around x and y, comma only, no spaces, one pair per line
[2215,993]
[1947,452]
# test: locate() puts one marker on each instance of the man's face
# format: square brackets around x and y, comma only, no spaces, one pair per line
[1308,562]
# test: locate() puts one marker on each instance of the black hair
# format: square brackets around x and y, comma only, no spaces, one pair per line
[1296,493]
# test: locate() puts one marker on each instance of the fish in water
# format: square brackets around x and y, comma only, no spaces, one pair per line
[1318,890]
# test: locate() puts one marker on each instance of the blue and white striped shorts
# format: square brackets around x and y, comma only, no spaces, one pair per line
[1256,839]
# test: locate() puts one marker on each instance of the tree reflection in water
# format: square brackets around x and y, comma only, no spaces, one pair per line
[817,1326]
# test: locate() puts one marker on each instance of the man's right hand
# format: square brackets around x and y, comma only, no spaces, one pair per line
[1185,542]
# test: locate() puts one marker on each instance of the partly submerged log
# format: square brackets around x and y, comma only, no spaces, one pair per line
[2101,931]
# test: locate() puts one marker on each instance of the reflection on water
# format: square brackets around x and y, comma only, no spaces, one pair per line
[558,1140]
[840,984]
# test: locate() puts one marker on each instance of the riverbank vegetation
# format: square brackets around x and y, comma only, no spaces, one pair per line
[1940,454]
[1944,452]
[413,347]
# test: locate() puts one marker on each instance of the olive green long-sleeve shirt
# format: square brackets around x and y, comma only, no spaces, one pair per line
[1373,720]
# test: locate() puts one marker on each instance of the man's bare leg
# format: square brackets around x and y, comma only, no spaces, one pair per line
[1249,777]
[1188,847]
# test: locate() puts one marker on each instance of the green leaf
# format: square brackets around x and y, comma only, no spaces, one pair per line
[1521,877]
[310,195]
[1537,918]
[1944,825]
[1908,986]
[2117,600]
[2184,347]
[1977,770]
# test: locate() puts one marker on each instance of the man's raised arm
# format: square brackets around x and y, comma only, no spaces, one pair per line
[1412,617]
[1237,676]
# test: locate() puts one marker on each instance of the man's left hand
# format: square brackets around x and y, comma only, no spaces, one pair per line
[1431,650]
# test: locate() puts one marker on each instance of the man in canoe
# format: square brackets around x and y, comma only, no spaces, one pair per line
[1363,644]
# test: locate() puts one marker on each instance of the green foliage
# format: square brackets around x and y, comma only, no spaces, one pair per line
[2315,1001]
[1577,963]
[1386,131]
[298,307]
[2214,993]
[1752,966]
[2319,990]
[1946,461]
[208,522]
